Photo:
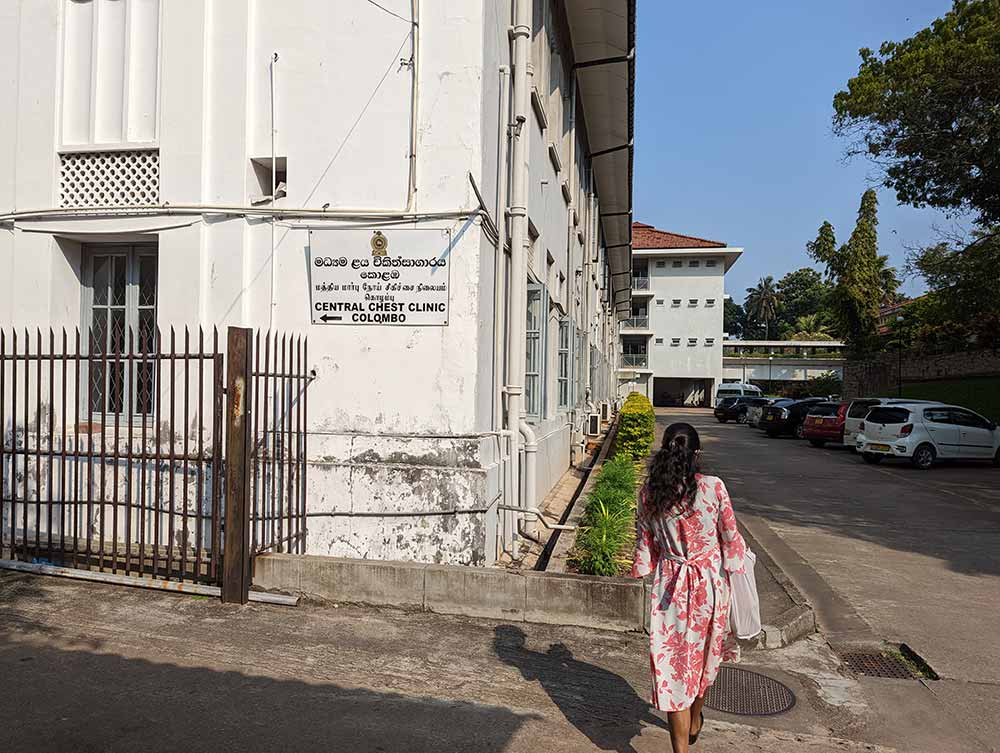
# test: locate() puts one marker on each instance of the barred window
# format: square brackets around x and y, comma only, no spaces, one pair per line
[534,362]
[120,318]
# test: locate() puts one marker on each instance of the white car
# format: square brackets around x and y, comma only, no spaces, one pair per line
[736,389]
[925,433]
[859,408]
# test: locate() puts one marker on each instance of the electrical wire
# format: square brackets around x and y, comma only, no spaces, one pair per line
[391,13]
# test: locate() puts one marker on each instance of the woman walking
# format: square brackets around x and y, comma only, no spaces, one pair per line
[687,537]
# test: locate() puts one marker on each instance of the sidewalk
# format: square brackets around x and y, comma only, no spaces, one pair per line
[103,668]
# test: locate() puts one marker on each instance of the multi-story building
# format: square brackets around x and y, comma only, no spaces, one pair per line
[671,346]
[208,164]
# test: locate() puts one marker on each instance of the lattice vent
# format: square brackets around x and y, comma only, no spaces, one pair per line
[110,179]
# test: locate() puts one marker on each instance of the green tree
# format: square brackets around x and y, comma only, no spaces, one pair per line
[824,250]
[811,327]
[858,285]
[733,319]
[762,303]
[926,111]
[889,281]
[803,292]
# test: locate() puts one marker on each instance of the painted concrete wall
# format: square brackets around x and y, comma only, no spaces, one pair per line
[405,458]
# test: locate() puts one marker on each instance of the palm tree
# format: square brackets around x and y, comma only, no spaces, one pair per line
[762,303]
[811,327]
[888,280]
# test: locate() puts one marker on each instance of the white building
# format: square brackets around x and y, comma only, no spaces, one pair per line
[672,342]
[207,156]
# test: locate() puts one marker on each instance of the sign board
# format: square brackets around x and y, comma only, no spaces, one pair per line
[391,276]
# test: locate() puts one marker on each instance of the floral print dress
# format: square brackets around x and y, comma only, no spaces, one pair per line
[687,552]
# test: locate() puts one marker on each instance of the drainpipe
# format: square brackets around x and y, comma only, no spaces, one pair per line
[274,190]
[521,39]
[530,465]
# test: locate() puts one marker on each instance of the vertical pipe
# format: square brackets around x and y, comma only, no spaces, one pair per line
[129,383]
[13,448]
[63,456]
[266,523]
[281,384]
[255,488]
[300,387]
[521,39]
[274,189]
[27,456]
[51,454]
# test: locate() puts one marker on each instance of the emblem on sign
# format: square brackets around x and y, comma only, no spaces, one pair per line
[380,244]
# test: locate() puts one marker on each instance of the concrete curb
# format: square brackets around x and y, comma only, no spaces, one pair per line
[587,601]
[794,623]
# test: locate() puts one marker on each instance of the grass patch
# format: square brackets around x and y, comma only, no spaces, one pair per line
[914,662]
[981,394]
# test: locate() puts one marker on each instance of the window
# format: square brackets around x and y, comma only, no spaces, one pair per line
[938,416]
[860,408]
[709,341]
[709,301]
[888,416]
[676,302]
[970,419]
[709,262]
[659,301]
[694,263]
[824,409]
[661,264]
[581,375]
[675,341]
[534,361]
[659,341]
[678,264]
[692,341]
[563,377]
[119,315]
[692,301]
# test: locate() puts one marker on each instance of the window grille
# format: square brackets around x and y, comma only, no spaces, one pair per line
[109,179]
[678,264]
[710,262]
[534,362]
[694,263]
[564,363]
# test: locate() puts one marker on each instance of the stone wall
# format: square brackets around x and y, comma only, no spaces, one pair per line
[881,375]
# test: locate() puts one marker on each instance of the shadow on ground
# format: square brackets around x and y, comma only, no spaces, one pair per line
[570,684]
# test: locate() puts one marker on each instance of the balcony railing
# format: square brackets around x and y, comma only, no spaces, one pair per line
[635,360]
[636,322]
[640,283]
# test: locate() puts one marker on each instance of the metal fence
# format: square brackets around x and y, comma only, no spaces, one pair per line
[111,451]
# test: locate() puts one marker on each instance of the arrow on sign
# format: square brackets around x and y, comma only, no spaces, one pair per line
[328,318]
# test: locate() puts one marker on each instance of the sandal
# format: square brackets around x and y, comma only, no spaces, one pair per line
[692,739]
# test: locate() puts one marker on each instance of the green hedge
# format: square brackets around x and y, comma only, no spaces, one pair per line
[636,427]
[606,536]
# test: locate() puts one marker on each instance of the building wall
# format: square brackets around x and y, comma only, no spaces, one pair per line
[404,450]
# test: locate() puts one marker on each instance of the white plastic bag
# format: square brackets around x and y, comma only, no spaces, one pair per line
[744,610]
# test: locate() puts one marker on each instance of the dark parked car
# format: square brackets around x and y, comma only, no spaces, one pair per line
[825,423]
[788,419]
[735,408]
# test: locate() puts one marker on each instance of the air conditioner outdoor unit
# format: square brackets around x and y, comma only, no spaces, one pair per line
[594,425]
[605,411]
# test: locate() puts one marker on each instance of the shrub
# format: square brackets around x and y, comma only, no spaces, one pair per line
[636,427]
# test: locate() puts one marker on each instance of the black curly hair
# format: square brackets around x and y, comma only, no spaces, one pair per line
[671,476]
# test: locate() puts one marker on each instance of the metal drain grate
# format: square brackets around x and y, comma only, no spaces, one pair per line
[745,693]
[876,664]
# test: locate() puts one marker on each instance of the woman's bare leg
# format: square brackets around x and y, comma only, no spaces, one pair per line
[696,708]
[680,728]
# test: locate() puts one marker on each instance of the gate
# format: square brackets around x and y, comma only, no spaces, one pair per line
[115,455]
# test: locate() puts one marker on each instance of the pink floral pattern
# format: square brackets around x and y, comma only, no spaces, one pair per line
[689,554]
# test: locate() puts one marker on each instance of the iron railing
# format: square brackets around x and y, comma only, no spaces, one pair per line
[278,457]
[111,452]
[636,322]
[640,283]
[635,360]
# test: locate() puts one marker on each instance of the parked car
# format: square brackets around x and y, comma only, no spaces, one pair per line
[788,419]
[927,432]
[755,411]
[736,408]
[736,389]
[825,423]
[858,409]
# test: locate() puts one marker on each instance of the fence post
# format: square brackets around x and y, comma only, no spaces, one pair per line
[236,558]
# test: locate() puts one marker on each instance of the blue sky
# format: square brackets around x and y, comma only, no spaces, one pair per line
[733,126]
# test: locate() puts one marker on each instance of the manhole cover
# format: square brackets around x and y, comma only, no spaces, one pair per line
[745,693]
[876,664]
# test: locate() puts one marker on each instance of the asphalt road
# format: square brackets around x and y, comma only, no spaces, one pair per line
[907,556]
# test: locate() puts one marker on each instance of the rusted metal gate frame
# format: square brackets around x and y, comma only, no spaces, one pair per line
[266,453]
